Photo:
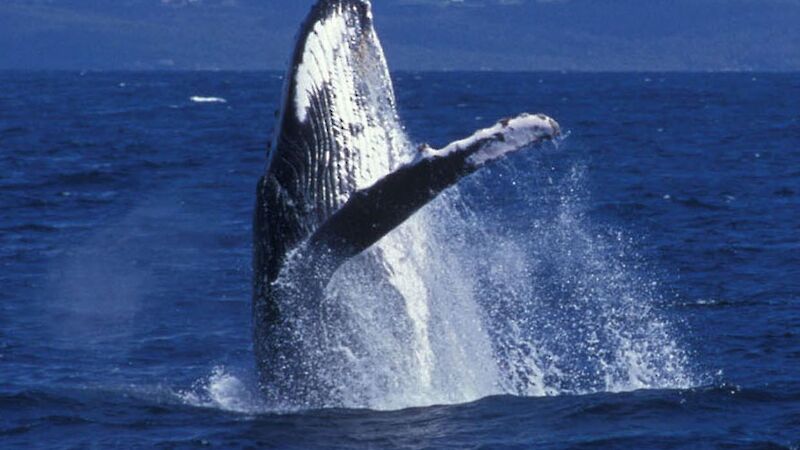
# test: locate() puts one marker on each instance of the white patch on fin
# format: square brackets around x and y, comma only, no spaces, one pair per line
[504,137]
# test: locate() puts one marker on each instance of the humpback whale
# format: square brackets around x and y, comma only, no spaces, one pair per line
[340,175]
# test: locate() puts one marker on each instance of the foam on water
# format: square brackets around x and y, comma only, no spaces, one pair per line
[223,390]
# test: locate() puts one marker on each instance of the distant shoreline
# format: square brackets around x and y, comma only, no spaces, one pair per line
[408,71]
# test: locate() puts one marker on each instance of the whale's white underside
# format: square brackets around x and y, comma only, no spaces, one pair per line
[343,88]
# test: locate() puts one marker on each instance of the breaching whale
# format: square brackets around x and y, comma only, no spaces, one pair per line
[340,176]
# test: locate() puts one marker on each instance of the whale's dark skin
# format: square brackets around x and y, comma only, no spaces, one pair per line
[310,214]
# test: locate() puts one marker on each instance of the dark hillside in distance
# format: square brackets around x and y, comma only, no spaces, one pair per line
[575,35]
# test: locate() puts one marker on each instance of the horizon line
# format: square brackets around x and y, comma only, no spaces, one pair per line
[500,71]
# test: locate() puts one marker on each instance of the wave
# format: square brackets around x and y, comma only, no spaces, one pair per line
[29,228]
[148,417]
[84,178]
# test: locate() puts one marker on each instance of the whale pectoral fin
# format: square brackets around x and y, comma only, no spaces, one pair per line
[373,212]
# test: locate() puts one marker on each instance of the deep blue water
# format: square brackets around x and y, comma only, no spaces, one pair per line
[125,257]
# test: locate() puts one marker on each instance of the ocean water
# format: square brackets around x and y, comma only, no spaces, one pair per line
[636,285]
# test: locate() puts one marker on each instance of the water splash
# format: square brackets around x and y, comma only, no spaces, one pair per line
[578,302]
[223,390]
[461,303]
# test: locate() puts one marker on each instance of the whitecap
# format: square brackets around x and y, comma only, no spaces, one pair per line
[198,99]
